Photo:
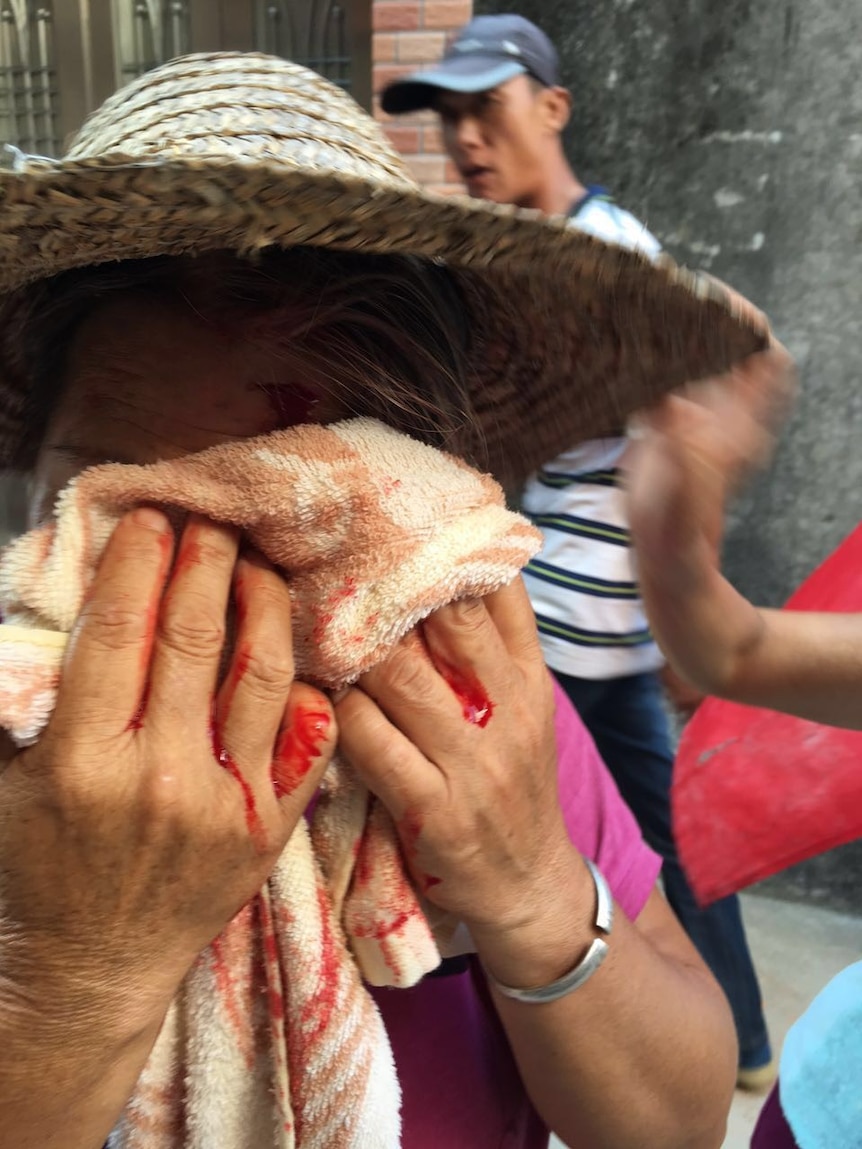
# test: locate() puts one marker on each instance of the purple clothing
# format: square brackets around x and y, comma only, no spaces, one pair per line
[461,1087]
[772,1130]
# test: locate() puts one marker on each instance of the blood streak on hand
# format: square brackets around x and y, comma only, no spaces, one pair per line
[297,748]
[476,706]
[241,662]
[252,818]
[409,827]
[189,554]
[136,722]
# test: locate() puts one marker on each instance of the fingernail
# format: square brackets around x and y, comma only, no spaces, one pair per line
[151,519]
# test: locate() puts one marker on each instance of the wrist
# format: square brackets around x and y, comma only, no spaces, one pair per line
[704,632]
[70,1054]
[63,1001]
[554,933]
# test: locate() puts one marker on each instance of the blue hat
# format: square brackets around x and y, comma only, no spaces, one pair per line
[486,52]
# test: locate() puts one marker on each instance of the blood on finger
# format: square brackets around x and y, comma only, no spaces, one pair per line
[476,706]
[136,722]
[189,554]
[297,748]
[252,817]
[238,668]
[150,624]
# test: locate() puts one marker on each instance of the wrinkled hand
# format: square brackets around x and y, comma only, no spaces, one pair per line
[455,733]
[147,814]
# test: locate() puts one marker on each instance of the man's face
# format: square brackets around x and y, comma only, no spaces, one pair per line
[498,139]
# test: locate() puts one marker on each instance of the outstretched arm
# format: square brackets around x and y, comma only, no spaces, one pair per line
[688,457]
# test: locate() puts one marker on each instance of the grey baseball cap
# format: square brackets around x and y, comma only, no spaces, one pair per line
[486,52]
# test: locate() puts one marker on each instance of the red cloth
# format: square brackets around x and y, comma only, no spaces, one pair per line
[755,791]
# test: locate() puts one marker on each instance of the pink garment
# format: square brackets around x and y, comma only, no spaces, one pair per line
[461,1088]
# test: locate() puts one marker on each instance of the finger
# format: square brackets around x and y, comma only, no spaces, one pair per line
[109,653]
[386,760]
[470,654]
[768,385]
[512,614]
[305,747]
[251,702]
[410,691]
[191,629]
[745,411]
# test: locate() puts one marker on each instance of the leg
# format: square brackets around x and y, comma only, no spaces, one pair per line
[627,720]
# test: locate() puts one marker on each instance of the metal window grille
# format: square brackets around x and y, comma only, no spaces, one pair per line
[28,80]
[60,58]
[148,33]
[311,32]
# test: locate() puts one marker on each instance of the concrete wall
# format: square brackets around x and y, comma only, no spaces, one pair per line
[735,131]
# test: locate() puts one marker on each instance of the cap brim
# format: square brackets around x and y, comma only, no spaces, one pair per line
[473,73]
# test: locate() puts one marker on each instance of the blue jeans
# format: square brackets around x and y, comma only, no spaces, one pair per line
[627,720]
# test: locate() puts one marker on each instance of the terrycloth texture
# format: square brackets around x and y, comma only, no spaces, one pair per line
[821,1067]
[273,1039]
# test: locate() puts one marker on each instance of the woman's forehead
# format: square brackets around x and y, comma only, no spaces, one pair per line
[145,369]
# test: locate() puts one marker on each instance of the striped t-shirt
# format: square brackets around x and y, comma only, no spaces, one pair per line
[582,585]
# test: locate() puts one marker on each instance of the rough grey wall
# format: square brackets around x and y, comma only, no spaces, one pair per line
[734,130]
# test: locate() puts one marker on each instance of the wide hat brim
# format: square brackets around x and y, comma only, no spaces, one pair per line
[569,335]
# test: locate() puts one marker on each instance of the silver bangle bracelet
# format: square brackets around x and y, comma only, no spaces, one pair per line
[588,964]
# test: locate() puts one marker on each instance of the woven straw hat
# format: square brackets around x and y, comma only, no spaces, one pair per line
[242,151]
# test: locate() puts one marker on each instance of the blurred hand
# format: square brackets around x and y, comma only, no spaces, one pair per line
[455,733]
[692,451]
[148,814]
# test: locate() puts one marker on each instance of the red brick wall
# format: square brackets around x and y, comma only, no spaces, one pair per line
[408,35]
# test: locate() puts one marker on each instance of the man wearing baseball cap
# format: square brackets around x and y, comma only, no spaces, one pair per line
[505,70]
[503,110]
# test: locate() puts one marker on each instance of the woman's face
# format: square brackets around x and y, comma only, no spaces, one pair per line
[150,379]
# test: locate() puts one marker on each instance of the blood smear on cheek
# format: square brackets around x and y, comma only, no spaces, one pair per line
[297,748]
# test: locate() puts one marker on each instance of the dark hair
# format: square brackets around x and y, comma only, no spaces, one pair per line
[386,335]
